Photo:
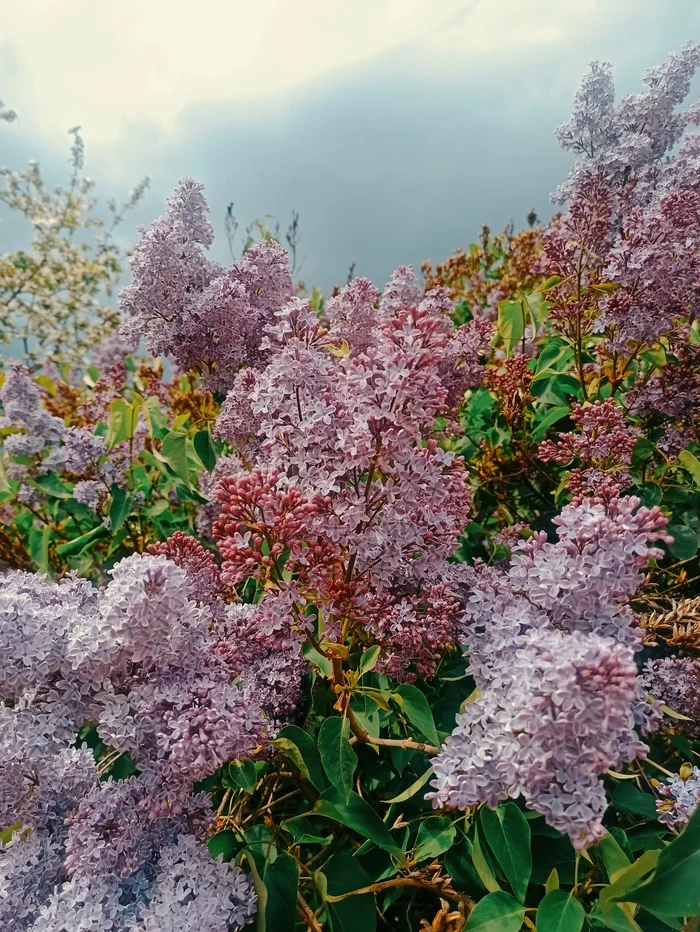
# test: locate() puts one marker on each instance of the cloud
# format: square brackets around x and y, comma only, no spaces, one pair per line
[107,64]
[110,64]
[395,127]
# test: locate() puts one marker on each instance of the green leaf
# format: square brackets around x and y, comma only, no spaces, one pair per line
[79,542]
[368,660]
[551,282]
[260,889]
[223,843]
[537,308]
[614,917]
[643,450]
[632,876]
[205,450]
[120,507]
[511,323]
[412,789]
[459,865]
[54,486]
[175,454]
[674,890]
[281,879]
[301,749]
[435,836]
[673,714]
[650,493]
[553,416]
[367,715]
[157,508]
[553,352]
[691,463]
[38,545]
[154,416]
[481,865]
[507,831]
[337,755]
[560,912]
[358,815]
[303,831]
[418,711]
[613,857]
[317,658]
[627,798]
[685,541]
[242,774]
[497,912]
[343,874]
[122,421]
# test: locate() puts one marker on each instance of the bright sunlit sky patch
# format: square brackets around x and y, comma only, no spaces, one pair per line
[395,127]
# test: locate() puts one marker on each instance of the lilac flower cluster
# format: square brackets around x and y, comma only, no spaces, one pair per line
[355,502]
[350,427]
[21,401]
[679,798]
[633,199]
[551,647]
[206,317]
[675,681]
[330,419]
[603,445]
[76,452]
[150,660]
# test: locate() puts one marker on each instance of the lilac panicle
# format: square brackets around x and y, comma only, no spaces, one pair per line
[551,647]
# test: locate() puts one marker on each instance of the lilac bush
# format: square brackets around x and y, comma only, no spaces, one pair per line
[372,609]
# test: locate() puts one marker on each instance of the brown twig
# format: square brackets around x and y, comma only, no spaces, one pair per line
[307,914]
[438,887]
[407,743]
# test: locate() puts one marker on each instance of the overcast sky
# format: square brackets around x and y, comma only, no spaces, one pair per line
[395,127]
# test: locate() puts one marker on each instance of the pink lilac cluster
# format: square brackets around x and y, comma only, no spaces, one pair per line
[199,565]
[151,661]
[633,199]
[208,512]
[204,316]
[414,632]
[346,491]
[678,799]
[350,429]
[336,493]
[509,536]
[603,445]
[675,681]
[551,647]
[672,396]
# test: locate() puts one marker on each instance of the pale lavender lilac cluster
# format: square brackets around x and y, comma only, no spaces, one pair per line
[675,682]
[633,205]
[678,798]
[203,316]
[551,647]
[150,660]
[74,451]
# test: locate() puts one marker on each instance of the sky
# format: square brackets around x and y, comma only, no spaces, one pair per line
[394,127]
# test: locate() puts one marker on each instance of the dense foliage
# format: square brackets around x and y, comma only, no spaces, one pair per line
[378,612]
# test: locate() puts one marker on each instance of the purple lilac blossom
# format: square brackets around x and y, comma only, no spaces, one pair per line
[551,647]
